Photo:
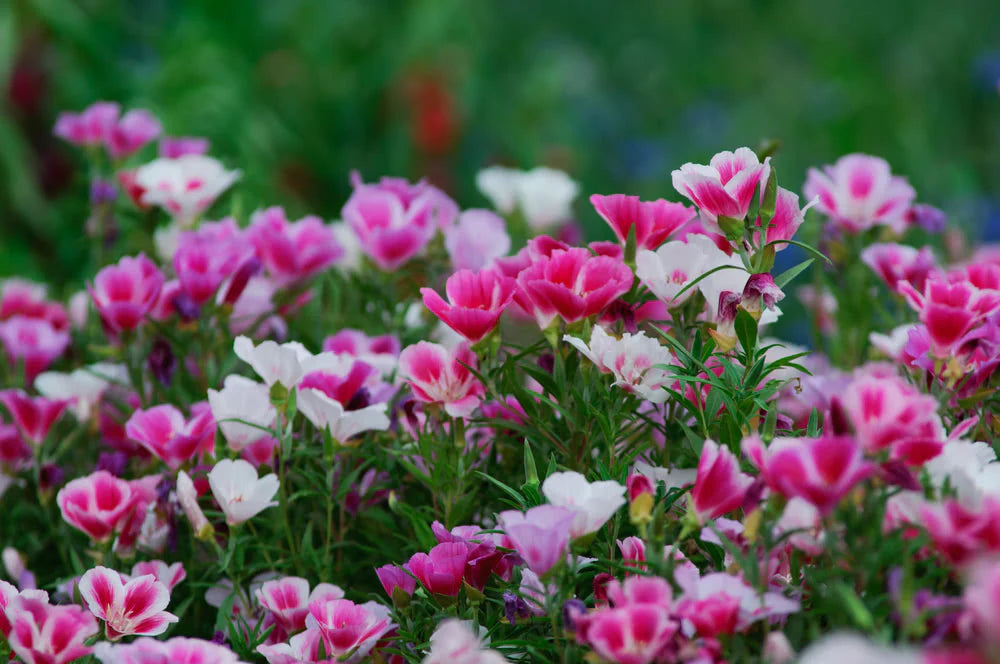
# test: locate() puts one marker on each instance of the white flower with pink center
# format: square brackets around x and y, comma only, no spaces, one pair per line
[184,187]
[634,360]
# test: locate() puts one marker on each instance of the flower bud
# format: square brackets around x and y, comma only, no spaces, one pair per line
[188,497]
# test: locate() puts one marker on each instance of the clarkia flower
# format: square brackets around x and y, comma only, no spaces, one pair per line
[593,503]
[654,221]
[346,627]
[719,487]
[438,375]
[42,633]
[381,352]
[81,387]
[394,576]
[90,127]
[725,187]
[475,302]
[187,496]
[441,570]
[950,309]
[128,607]
[34,416]
[288,599]
[760,293]
[131,132]
[292,251]
[33,342]
[859,192]
[785,222]
[174,440]
[168,575]
[205,258]
[242,399]
[146,650]
[540,535]
[185,187]
[172,147]
[894,263]
[238,490]
[670,269]
[544,196]
[336,398]
[633,360]
[124,293]
[454,643]
[476,240]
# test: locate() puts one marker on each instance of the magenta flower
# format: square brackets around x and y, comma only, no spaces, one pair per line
[859,191]
[572,284]
[712,616]
[34,342]
[820,470]
[394,576]
[34,416]
[98,504]
[723,188]
[132,607]
[476,240]
[146,650]
[15,452]
[168,575]
[654,221]
[90,127]
[950,308]
[719,487]
[631,634]
[42,633]
[894,263]
[124,293]
[961,533]
[207,257]
[475,302]
[540,535]
[759,293]
[381,352]
[292,251]
[174,440]
[441,570]
[437,375]
[394,220]
[172,147]
[135,129]
[346,627]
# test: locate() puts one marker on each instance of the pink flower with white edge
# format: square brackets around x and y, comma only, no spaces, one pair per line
[205,258]
[132,131]
[438,375]
[346,627]
[593,503]
[34,416]
[477,239]
[32,342]
[630,634]
[42,633]
[634,360]
[949,310]
[889,413]
[859,191]
[168,575]
[394,220]
[187,496]
[654,221]
[124,293]
[172,147]
[336,398]
[292,251]
[540,535]
[723,188]
[959,532]
[821,470]
[720,486]
[96,504]
[287,599]
[572,284]
[132,607]
[475,302]
[894,263]
[238,490]
[785,222]
[441,570]
[185,187]
[174,440]
[242,399]
[90,127]
[179,649]
[454,643]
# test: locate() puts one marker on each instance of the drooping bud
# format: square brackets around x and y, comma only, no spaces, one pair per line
[759,293]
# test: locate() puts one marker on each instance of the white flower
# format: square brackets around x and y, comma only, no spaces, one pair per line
[891,345]
[671,477]
[593,502]
[325,412]
[243,399]
[971,469]
[855,649]
[83,386]
[78,309]
[454,643]
[239,492]
[669,269]
[184,187]
[187,496]
[632,360]
[543,195]
[351,260]
[273,362]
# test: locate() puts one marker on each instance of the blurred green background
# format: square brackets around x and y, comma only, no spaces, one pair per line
[297,93]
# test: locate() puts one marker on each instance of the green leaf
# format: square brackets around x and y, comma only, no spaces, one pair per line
[782,279]
[530,471]
[746,331]
[856,609]
[802,245]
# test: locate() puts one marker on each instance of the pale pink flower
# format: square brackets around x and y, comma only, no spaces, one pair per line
[476,240]
[540,535]
[381,352]
[543,196]
[172,147]
[475,302]
[894,263]
[168,575]
[238,490]
[859,192]
[723,188]
[437,375]
[178,650]
[982,598]
[454,643]
[670,269]
[634,360]
[593,503]
[720,486]
[753,605]
[32,342]
[132,607]
[185,187]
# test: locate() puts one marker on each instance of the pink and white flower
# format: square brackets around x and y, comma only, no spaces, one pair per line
[205,258]
[634,360]
[894,263]
[146,650]
[164,431]
[128,607]
[476,240]
[454,643]
[34,416]
[593,503]
[185,187]
[292,251]
[630,634]
[950,308]
[785,222]
[437,375]
[124,293]
[288,599]
[335,398]
[669,270]
[725,187]
[238,490]
[381,352]
[90,127]
[540,535]
[131,132]
[475,302]
[654,221]
[168,575]
[42,633]
[720,486]
[98,504]
[32,342]
[859,191]
[346,627]
[187,496]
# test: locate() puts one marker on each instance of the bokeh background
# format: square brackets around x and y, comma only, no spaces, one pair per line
[297,93]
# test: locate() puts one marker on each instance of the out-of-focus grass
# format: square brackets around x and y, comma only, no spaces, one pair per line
[296,93]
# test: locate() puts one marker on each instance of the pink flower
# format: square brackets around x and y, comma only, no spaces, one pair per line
[950,309]
[152,651]
[719,487]
[124,293]
[15,452]
[961,533]
[135,129]
[982,599]
[41,633]
[753,605]
[476,240]
[97,504]
[288,601]
[381,352]
[90,127]
[207,257]
[725,187]
[859,192]
[476,301]
[34,416]
[165,432]
[184,187]
[441,570]
[712,616]
[34,342]
[654,221]
[394,576]
[336,398]
[292,252]
[786,220]
[394,220]
[631,634]
[540,535]
[898,262]
[168,575]
[821,470]
[888,413]
[346,627]
[132,607]
[454,643]
[437,375]
[172,147]
[572,284]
